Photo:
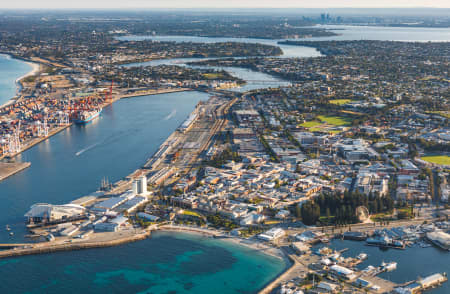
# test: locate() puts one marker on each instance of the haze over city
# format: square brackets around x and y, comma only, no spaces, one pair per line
[178,4]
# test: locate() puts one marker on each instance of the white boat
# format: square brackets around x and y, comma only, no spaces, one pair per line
[8,228]
[362,256]
[388,266]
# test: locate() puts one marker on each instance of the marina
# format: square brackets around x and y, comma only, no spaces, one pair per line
[405,267]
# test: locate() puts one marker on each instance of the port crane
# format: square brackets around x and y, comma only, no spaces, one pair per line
[14,141]
[108,94]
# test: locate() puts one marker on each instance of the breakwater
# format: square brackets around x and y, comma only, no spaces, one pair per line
[43,248]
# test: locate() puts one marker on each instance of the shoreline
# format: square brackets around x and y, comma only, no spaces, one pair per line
[35,68]
[290,263]
[255,245]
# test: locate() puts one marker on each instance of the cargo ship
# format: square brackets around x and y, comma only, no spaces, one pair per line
[87,116]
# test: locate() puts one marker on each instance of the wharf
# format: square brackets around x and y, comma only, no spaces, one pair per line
[106,240]
[36,141]
[8,169]
[152,92]
[386,286]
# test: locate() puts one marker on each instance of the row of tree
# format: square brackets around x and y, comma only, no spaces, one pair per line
[342,207]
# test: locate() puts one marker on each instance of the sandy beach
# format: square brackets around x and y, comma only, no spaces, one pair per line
[255,245]
[35,68]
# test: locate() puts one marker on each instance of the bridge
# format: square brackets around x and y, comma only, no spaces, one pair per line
[265,82]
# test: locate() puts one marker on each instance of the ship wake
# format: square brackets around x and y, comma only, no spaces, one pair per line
[86,149]
[171,114]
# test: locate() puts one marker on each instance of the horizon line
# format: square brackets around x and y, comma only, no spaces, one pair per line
[217,8]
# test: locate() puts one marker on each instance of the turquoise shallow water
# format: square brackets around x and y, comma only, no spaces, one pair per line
[165,263]
[10,70]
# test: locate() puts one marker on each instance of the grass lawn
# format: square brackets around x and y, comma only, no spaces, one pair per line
[381,217]
[441,113]
[340,101]
[315,129]
[211,76]
[438,159]
[334,132]
[272,222]
[192,213]
[310,124]
[334,120]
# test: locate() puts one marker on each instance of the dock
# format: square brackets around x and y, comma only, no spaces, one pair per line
[8,169]
[149,92]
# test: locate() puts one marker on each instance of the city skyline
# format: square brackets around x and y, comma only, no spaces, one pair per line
[29,4]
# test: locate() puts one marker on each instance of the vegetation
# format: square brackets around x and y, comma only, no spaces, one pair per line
[340,101]
[251,231]
[222,158]
[334,120]
[310,124]
[437,159]
[192,213]
[218,221]
[342,207]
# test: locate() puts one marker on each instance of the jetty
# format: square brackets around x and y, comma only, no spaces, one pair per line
[8,169]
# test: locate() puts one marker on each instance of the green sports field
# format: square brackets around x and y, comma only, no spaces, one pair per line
[437,159]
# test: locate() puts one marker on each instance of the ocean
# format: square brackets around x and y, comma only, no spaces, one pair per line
[10,70]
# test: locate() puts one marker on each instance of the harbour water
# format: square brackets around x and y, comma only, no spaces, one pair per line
[411,263]
[165,263]
[73,162]
[10,70]
[412,34]
[254,79]
[257,80]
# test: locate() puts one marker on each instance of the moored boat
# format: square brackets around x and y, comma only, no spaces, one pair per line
[86,116]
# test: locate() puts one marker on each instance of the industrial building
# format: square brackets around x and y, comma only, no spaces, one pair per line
[43,212]
[131,204]
[112,225]
[440,239]
[343,272]
[187,124]
[148,217]
[432,280]
[111,203]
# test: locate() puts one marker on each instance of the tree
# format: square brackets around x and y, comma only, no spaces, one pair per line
[298,211]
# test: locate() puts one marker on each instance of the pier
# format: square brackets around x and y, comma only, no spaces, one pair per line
[8,169]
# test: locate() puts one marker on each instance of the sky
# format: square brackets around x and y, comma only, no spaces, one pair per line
[222,3]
